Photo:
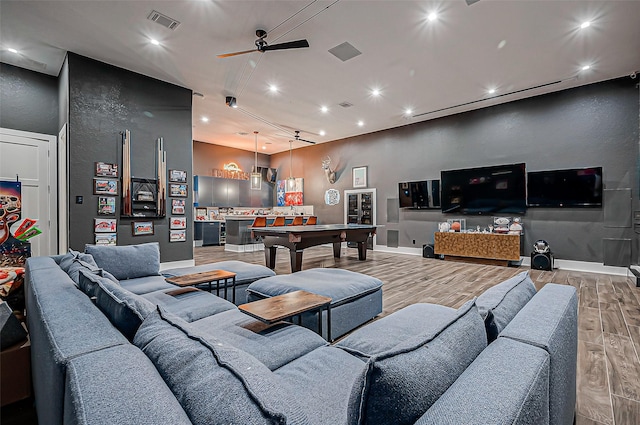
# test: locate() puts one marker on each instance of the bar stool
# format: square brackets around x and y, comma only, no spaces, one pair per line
[297,221]
[312,220]
[257,222]
[278,221]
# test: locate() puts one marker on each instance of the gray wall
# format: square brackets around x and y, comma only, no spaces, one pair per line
[595,125]
[103,101]
[28,100]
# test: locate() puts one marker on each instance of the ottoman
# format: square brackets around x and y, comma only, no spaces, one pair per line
[357,298]
[245,274]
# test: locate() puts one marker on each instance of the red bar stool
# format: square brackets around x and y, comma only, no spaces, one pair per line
[278,221]
[312,220]
[297,221]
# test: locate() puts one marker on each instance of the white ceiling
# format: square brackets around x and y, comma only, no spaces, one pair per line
[415,63]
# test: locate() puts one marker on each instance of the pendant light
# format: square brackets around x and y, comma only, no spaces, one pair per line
[291,181]
[256,177]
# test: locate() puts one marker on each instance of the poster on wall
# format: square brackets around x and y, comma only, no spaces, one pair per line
[280,190]
[13,251]
[294,196]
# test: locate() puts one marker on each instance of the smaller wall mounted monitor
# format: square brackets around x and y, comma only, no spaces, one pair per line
[419,195]
[573,188]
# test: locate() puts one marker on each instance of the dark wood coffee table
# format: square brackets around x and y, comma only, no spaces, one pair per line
[209,277]
[285,306]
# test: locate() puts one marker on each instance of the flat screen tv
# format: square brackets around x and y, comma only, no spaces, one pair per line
[498,189]
[580,187]
[419,195]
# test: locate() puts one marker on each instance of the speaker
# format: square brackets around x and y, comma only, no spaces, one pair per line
[542,261]
[11,331]
[427,251]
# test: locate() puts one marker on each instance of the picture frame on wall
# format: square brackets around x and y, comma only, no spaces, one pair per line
[106,238]
[177,235]
[105,225]
[105,187]
[106,205]
[359,175]
[177,206]
[104,169]
[178,222]
[141,228]
[179,176]
[177,190]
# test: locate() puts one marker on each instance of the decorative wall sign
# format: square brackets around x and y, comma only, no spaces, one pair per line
[332,197]
[106,238]
[177,176]
[178,222]
[139,228]
[178,190]
[177,206]
[177,235]
[106,205]
[105,187]
[359,176]
[105,225]
[104,169]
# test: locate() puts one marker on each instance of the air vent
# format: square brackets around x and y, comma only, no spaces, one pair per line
[470,2]
[242,133]
[345,51]
[163,20]
[346,104]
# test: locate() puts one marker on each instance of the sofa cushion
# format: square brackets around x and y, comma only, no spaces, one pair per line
[146,284]
[73,261]
[245,272]
[214,382]
[127,262]
[403,382]
[189,304]
[123,309]
[500,303]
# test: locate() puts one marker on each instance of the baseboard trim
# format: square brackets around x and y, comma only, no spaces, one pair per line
[176,264]
[244,248]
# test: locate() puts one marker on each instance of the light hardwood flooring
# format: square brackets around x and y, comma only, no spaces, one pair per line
[608,378]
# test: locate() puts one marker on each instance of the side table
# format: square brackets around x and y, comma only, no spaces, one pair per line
[209,277]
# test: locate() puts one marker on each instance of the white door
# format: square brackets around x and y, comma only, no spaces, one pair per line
[31,158]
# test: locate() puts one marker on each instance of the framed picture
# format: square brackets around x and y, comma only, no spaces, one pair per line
[106,205]
[105,187]
[104,169]
[359,176]
[177,206]
[177,235]
[139,228]
[178,190]
[106,238]
[177,176]
[104,225]
[178,222]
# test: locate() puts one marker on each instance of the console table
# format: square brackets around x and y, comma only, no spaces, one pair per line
[491,248]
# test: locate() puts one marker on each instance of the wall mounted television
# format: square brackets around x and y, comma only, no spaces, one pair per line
[497,189]
[419,195]
[579,187]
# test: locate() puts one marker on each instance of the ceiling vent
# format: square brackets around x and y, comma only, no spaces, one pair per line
[346,104]
[163,20]
[470,2]
[344,51]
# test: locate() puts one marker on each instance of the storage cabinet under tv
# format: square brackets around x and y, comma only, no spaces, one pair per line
[485,247]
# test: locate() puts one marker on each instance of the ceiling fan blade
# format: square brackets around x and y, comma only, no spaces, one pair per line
[226,55]
[288,45]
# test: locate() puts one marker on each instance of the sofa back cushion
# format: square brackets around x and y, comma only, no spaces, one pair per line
[500,303]
[125,310]
[214,382]
[127,262]
[74,261]
[403,382]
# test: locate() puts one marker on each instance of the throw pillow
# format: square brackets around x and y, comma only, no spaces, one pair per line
[127,262]
[73,261]
[500,303]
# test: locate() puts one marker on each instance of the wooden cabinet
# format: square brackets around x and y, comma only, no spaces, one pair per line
[486,246]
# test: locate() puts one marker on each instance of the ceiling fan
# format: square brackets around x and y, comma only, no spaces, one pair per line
[300,139]
[262,46]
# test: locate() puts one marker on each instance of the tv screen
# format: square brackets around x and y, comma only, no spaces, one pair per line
[581,187]
[486,190]
[419,195]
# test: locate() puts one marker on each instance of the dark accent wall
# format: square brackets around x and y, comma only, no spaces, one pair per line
[594,125]
[28,100]
[103,101]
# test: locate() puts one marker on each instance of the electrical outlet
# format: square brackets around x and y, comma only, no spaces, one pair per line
[414,241]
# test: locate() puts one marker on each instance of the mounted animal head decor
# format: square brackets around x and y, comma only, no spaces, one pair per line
[331,174]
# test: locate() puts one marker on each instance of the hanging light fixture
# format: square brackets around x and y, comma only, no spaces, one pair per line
[256,177]
[291,181]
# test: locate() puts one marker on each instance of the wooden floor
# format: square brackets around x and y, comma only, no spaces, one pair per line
[608,378]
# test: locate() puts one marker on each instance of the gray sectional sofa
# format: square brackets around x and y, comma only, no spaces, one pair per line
[104,354]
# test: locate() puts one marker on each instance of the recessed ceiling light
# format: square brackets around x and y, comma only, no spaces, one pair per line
[585,24]
[264,148]
[12,50]
[360,123]
[324,109]
[491,91]
[154,42]
[432,16]
[375,92]
[586,67]
[204,119]
[323,133]
[273,88]
[408,111]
